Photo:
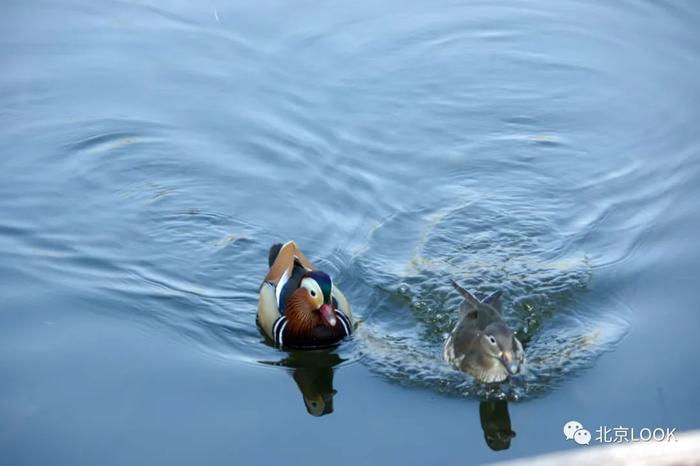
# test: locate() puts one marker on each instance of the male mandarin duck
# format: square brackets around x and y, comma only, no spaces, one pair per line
[481,343]
[299,307]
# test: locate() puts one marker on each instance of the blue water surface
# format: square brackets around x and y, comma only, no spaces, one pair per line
[152,151]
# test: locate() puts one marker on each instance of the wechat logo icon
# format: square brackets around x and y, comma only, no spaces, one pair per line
[573,430]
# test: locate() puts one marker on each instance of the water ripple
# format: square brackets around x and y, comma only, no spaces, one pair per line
[563,328]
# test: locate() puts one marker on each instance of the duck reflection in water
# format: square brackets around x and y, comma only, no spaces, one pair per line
[312,370]
[495,421]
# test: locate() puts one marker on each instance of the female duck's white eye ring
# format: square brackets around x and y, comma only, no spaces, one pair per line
[492,340]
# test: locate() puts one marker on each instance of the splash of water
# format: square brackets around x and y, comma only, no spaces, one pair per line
[564,327]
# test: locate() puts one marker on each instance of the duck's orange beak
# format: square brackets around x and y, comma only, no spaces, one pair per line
[328,314]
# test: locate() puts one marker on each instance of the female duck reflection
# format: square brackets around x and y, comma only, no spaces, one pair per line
[495,422]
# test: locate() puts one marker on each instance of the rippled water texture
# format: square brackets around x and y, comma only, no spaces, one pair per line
[153,151]
[486,250]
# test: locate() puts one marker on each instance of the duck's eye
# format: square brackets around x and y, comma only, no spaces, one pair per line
[492,340]
[313,293]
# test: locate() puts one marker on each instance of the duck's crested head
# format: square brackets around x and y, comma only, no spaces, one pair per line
[320,289]
[499,341]
[318,282]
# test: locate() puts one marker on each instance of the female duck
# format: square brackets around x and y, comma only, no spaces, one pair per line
[299,306]
[481,343]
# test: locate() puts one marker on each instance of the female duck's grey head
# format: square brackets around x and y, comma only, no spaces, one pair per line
[498,341]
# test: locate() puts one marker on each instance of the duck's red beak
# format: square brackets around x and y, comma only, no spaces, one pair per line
[328,314]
